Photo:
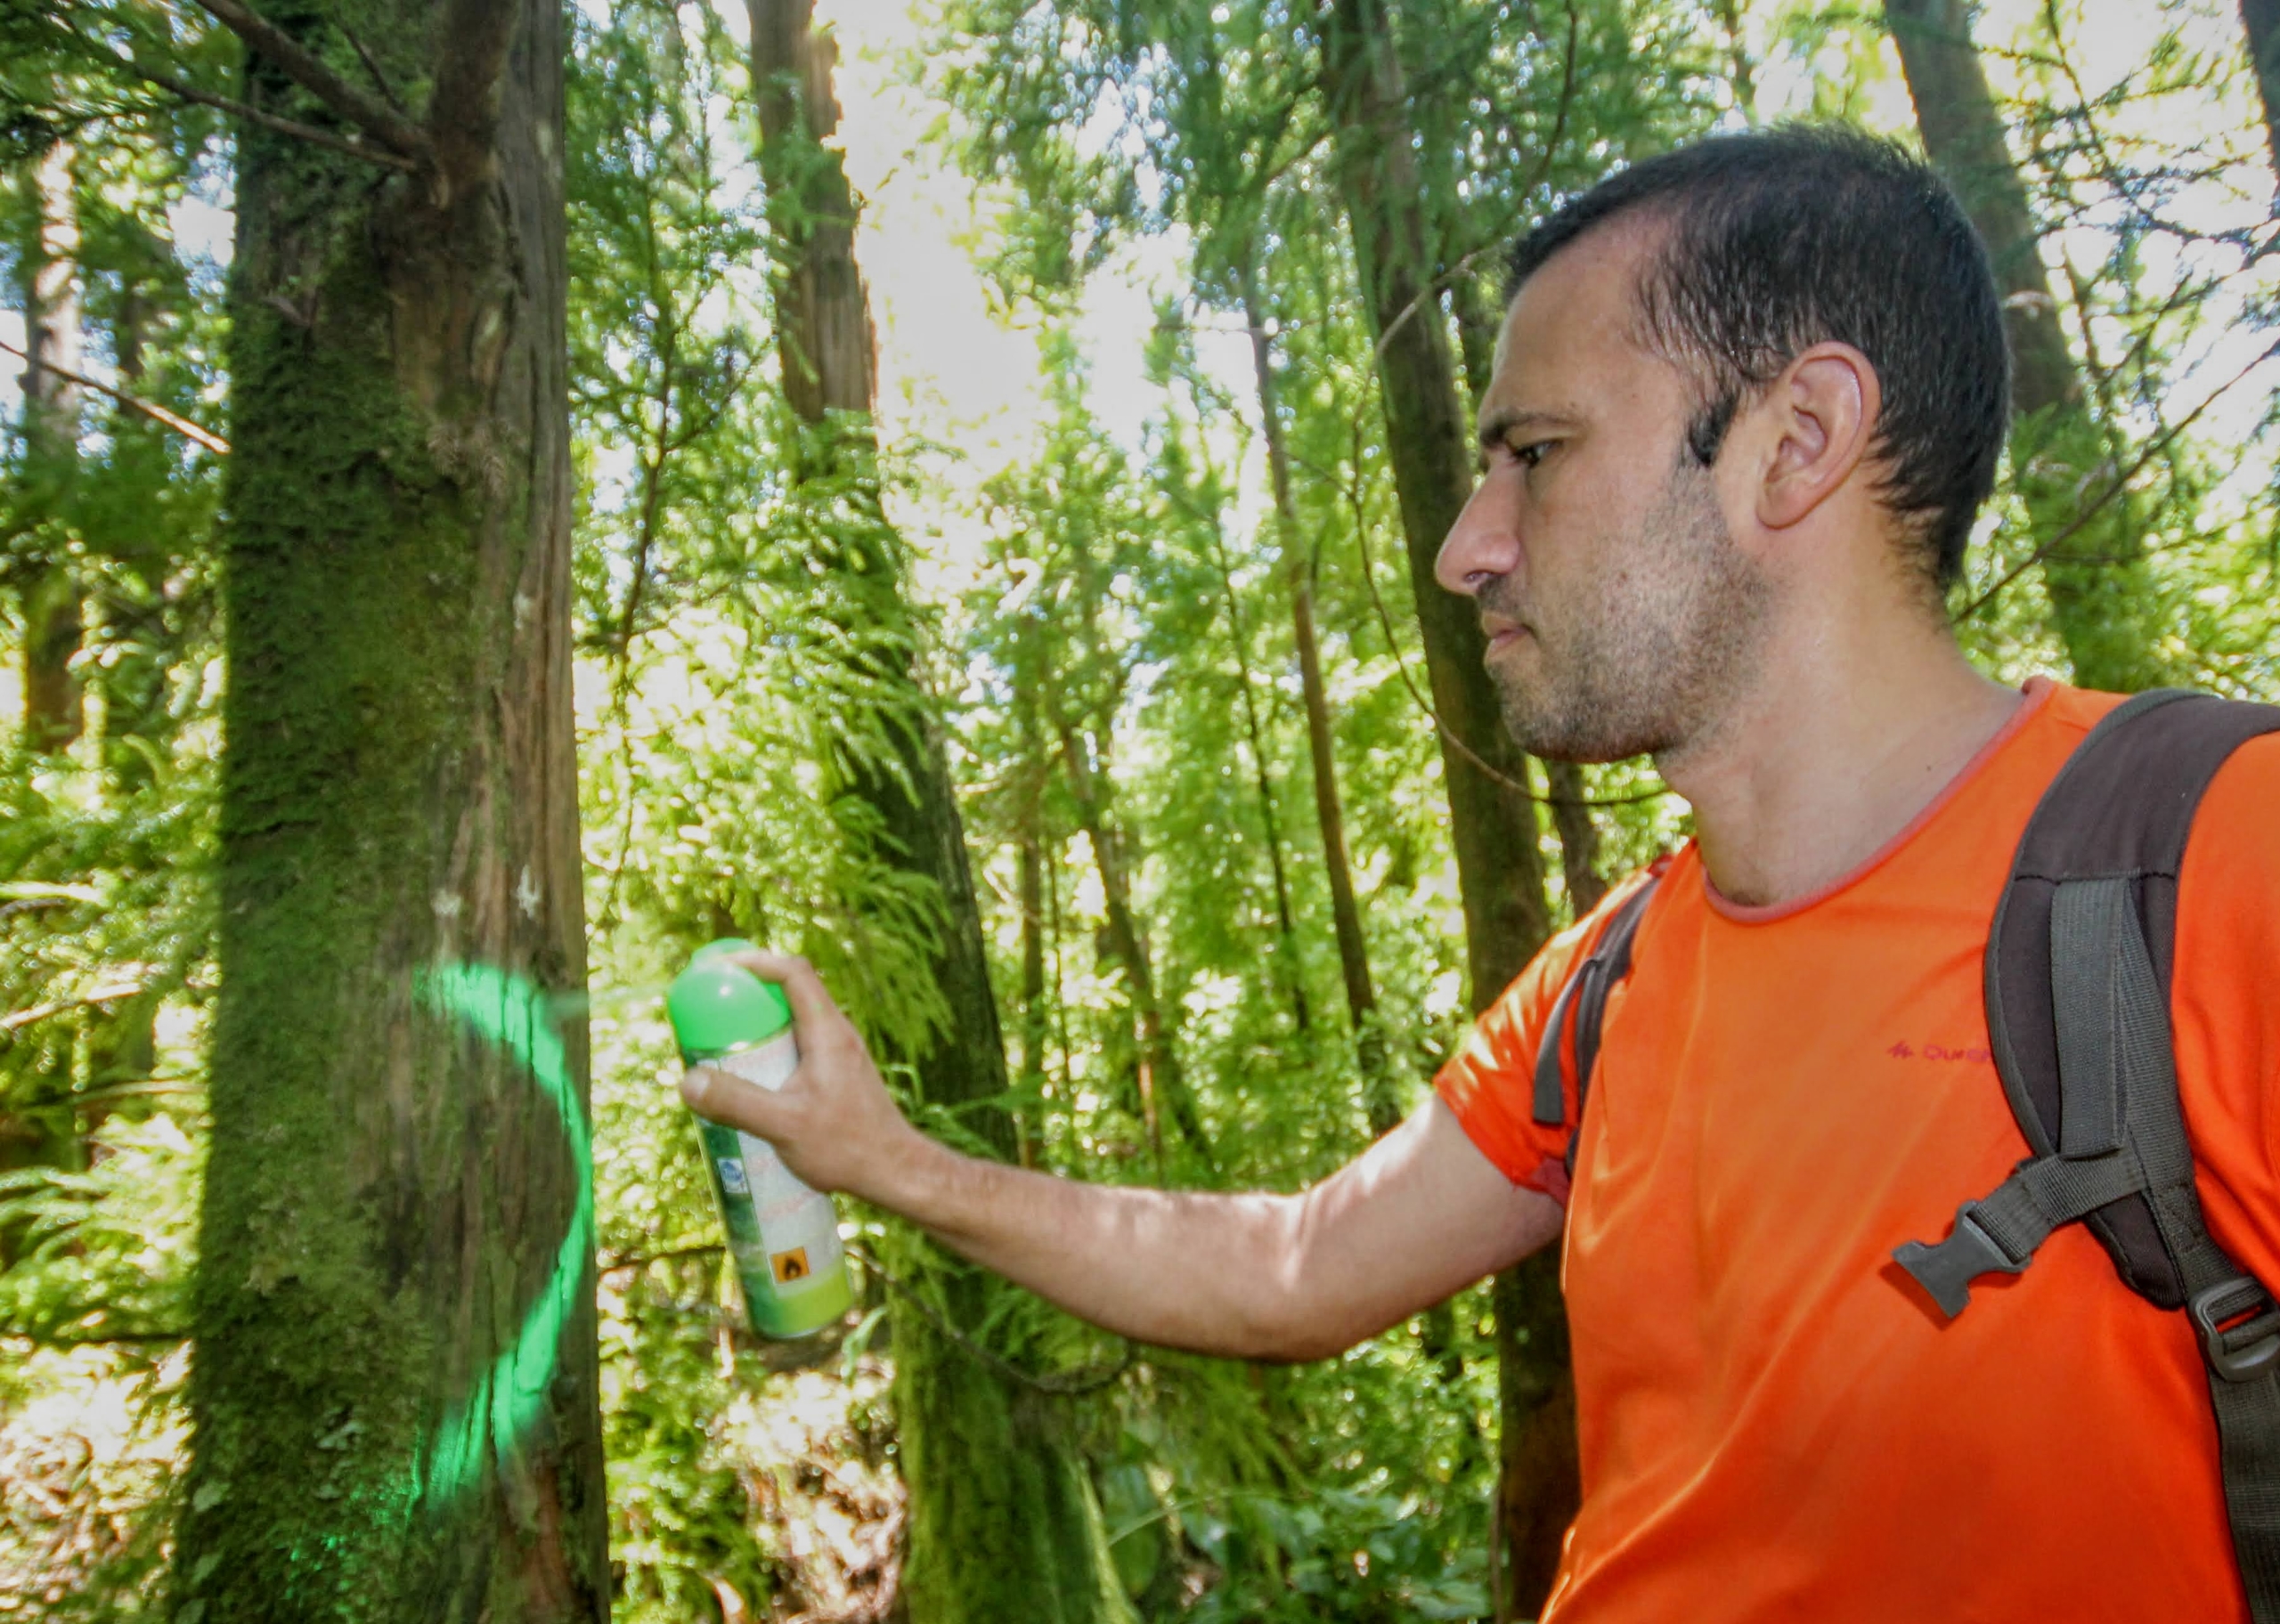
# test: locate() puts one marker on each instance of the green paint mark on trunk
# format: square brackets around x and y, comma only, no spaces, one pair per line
[503,1404]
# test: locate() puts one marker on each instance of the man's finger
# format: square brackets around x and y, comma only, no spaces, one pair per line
[812,1009]
[719,1095]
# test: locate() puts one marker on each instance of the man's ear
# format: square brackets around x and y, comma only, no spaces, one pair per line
[1824,410]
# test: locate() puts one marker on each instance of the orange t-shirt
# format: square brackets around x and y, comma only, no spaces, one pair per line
[1775,1423]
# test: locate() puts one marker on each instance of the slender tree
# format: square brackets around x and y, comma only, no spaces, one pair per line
[53,602]
[395,1398]
[1492,820]
[2262,19]
[1299,561]
[1003,1522]
[2097,578]
[1270,819]
[1163,1081]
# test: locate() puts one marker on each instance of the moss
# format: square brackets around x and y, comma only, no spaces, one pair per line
[1003,1523]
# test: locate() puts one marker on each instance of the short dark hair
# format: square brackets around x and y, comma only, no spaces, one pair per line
[1782,238]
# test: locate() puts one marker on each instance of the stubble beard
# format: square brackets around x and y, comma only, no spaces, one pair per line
[1661,642]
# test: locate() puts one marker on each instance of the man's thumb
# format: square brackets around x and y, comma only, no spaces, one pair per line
[722,1096]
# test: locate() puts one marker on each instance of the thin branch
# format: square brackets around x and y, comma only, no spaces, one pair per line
[96,1339]
[2119,483]
[381,122]
[614,1262]
[1431,290]
[373,68]
[156,413]
[107,993]
[1072,1383]
[177,88]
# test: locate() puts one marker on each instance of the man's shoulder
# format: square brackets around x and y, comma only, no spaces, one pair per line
[2240,813]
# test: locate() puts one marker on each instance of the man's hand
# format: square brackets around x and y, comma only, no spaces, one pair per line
[833,1122]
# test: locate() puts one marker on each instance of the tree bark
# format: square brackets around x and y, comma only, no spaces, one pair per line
[2098,586]
[394,1403]
[1492,821]
[1381,1107]
[1579,837]
[2262,19]
[54,605]
[1032,906]
[1002,1521]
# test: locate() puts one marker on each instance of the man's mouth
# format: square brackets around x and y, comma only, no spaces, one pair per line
[1501,631]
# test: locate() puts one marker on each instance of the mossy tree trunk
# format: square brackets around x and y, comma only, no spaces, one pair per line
[394,1403]
[1004,1524]
[2101,592]
[1492,820]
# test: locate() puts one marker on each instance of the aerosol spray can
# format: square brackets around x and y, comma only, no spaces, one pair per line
[783,1236]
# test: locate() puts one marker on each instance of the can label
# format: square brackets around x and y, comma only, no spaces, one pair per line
[783,1236]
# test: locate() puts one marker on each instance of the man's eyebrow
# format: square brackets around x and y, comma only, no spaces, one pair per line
[1498,425]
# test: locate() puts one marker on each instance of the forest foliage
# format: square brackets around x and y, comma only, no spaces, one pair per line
[1108,643]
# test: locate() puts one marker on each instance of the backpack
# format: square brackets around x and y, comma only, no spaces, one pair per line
[2078,967]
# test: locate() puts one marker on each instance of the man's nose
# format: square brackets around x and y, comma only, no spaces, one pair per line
[1483,544]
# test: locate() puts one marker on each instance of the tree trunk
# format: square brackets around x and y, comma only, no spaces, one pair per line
[1286,927]
[1382,1110]
[1579,837]
[54,606]
[1163,1083]
[2261,18]
[1002,1521]
[1030,834]
[1492,821]
[1032,906]
[2100,592]
[394,1401]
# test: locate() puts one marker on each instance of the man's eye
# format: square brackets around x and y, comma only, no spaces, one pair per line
[1531,453]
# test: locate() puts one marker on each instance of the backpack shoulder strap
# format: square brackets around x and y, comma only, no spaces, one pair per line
[2078,970]
[2077,982]
[1582,1005]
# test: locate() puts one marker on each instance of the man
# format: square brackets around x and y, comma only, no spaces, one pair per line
[1748,399]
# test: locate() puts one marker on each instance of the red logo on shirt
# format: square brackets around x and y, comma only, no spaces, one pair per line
[1974,1055]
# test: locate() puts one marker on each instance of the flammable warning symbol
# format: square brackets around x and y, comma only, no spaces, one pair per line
[789,1266]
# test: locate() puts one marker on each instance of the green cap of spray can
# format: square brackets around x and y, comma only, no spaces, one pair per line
[783,1236]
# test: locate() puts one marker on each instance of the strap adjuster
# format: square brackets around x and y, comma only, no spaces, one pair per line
[2228,1300]
[1947,1270]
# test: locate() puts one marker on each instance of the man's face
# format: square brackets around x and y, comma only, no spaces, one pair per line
[1621,617]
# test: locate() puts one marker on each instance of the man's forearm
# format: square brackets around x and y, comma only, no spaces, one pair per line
[1185,1269]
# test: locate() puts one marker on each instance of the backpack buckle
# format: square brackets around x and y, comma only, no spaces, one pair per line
[1946,1271]
[2217,1309]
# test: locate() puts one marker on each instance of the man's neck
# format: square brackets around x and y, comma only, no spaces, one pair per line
[1848,733]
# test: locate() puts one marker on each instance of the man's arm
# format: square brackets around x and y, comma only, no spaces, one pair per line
[1420,1215]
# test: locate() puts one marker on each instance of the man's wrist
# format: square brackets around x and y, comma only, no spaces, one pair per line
[908,1177]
